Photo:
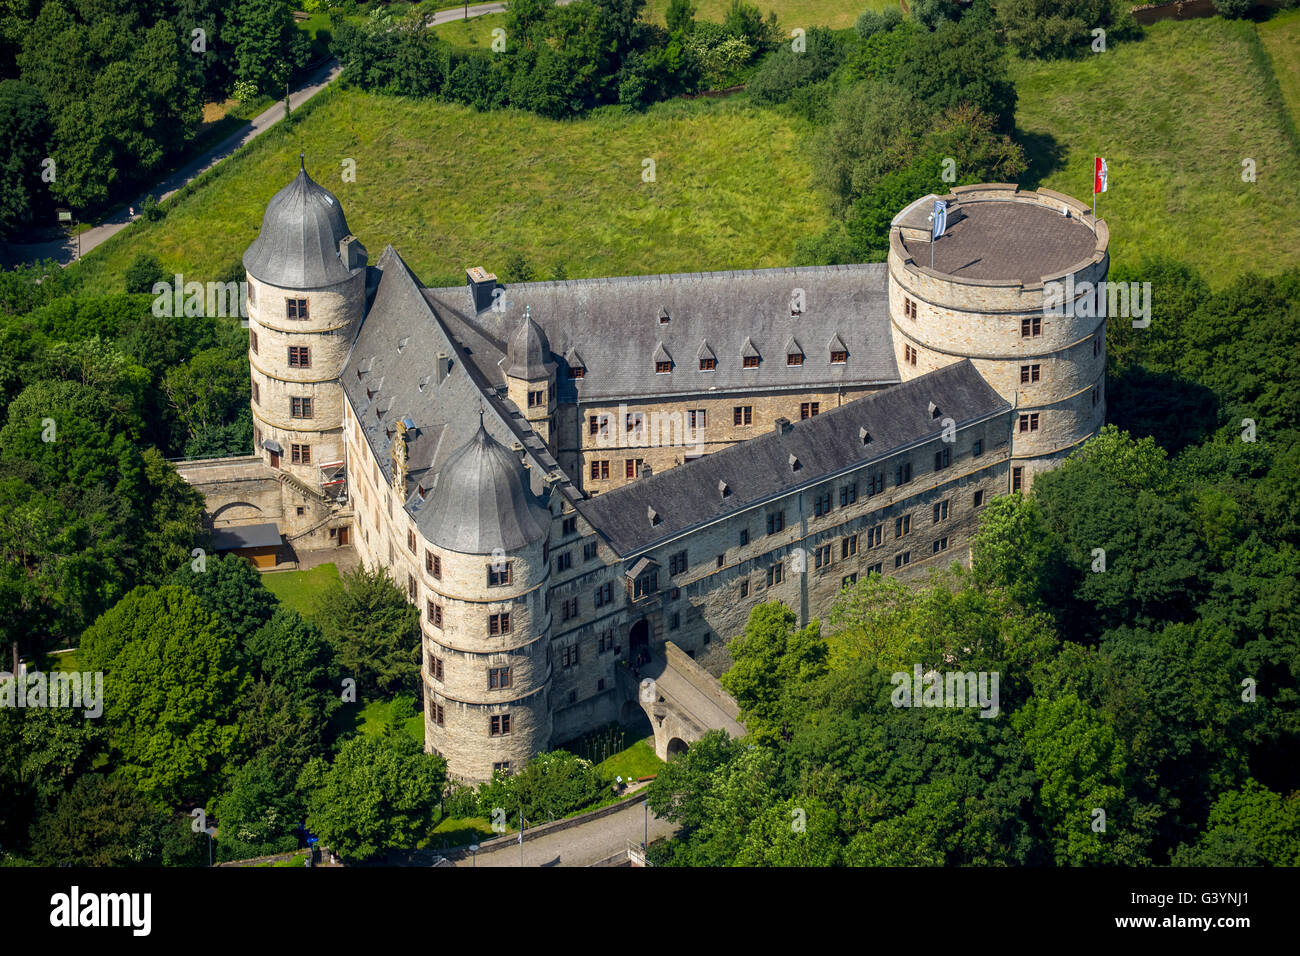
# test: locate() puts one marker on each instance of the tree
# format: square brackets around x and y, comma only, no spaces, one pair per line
[680,17]
[267,45]
[772,661]
[231,589]
[259,814]
[380,794]
[1251,826]
[24,139]
[1015,550]
[172,686]
[784,71]
[143,272]
[933,13]
[374,630]
[960,62]
[1052,28]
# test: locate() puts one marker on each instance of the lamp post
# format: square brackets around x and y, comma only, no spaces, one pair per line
[473,848]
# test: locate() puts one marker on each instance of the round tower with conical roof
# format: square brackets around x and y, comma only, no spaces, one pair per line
[487,621]
[306,297]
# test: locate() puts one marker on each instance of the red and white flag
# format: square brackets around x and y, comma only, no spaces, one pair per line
[1099,176]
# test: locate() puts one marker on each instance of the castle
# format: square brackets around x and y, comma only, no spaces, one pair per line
[567,475]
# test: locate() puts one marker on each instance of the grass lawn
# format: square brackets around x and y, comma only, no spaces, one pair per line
[636,761]
[451,188]
[1281,38]
[789,13]
[295,860]
[1174,115]
[459,831]
[298,589]
[374,718]
[474,32]
[65,663]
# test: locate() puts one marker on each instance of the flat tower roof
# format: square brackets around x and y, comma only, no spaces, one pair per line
[1006,240]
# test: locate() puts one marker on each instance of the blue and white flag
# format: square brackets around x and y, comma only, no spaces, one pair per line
[939,221]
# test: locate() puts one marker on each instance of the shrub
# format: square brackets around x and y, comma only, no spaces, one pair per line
[143,273]
[870,22]
[1233,9]
[785,71]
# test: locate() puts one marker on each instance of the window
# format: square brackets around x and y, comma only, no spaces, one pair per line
[301,510]
[645,585]
[902,525]
[499,623]
[876,569]
[750,361]
[822,505]
[257,397]
[839,357]
[563,561]
[744,537]
[909,355]
[606,642]
[809,409]
[568,608]
[942,459]
[979,498]
[902,559]
[1096,346]
[909,308]
[794,358]
[1029,328]
[434,613]
[537,399]
[848,546]
[903,473]
[677,563]
[499,725]
[604,594]
[569,656]
[410,541]
[1094,396]
[977,449]
[876,484]
[635,420]
[435,668]
[433,564]
[600,470]
[743,414]
[708,364]
[569,525]
[721,559]
[498,678]
[499,575]
[1029,423]
[696,418]
[940,510]
[744,588]
[502,767]
[598,425]
[1028,373]
[632,467]
[590,550]
[662,367]
[1017,478]
[775,574]
[822,557]
[941,545]
[299,356]
[252,340]
[435,711]
[573,697]
[775,522]
[295,308]
[576,371]
[300,454]
[675,621]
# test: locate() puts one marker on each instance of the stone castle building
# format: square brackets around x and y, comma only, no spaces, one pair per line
[567,475]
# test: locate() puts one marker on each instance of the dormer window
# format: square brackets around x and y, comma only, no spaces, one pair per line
[663,361]
[663,316]
[751,361]
[794,358]
[708,364]
[576,371]
[663,367]
[839,358]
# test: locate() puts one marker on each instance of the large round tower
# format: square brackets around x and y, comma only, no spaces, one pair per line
[487,620]
[995,295]
[306,297]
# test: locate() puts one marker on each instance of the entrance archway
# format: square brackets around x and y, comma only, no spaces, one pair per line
[677,747]
[638,643]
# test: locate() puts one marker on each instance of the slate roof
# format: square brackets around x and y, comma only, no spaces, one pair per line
[529,353]
[383,374]
[246,536]
[298,244]
[615,325]
[760,469]
[480,501]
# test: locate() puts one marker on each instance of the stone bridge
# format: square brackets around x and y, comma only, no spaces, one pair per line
[684,701]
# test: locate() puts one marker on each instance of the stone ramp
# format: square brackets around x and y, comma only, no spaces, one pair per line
[684,702]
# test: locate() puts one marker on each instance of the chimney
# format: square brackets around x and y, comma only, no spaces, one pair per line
[352,253]
[442,366]
[481,286]
[646,471]
[783,426]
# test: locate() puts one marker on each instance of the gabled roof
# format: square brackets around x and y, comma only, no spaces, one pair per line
[747,349]
[661,354]
[614,323]
[763,468]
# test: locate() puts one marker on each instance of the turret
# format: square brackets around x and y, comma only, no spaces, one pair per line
[530,378]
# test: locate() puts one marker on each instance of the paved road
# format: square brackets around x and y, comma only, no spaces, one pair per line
[64,250]
[582,845]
